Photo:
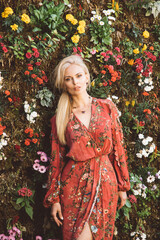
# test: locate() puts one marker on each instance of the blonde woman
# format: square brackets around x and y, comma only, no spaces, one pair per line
[88,170]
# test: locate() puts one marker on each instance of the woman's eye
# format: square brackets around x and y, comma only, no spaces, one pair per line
[79,75]
[67,79]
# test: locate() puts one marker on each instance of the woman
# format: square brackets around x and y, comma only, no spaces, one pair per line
[88,169]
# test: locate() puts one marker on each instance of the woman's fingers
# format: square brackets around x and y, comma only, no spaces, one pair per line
[56,209]
[123,197]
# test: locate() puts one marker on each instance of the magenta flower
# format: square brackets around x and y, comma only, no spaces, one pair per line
[118,49]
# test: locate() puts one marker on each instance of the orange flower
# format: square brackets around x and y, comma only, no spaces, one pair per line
[0,119]
[40,80]
[7,92]
[30,68]
[145,94]
[147,111]
[34,140]
[37,134]
[103,72]
[27,142]
[1,129]
[26,72]
[33,75]
[151,48]
[155,95]
[10,99]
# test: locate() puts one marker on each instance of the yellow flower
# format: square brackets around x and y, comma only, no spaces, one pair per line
[74,21]
[117,7]
[127,103]
[81,29]
[100,84]
[82,23]
[136,51]
[133,103]
[14,27]
[69,17]
[25,18]
[4,15]
[144,47]
[93,83]
[140,44]
[131,62]
[75,38]
[146,34]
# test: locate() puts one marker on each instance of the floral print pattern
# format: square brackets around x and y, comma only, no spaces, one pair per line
[86,174]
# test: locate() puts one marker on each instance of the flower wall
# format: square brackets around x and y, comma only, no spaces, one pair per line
[119,41]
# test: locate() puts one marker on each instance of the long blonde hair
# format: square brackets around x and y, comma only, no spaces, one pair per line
[64,105]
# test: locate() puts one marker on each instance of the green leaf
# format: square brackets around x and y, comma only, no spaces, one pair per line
[19,200]
[29,211]
[36,29]
[128,204]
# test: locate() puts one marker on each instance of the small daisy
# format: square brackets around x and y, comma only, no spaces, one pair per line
[141,136]
[92,19]
[151,179]
[101,23]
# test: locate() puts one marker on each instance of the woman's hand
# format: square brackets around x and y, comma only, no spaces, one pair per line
[56,209]
[123,197]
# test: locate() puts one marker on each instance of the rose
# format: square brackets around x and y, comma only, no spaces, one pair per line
[28,55]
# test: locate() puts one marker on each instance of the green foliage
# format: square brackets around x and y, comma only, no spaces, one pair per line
[46,97]
[136,4]
[152,8]
[101,34]
[48,19]
[128,46]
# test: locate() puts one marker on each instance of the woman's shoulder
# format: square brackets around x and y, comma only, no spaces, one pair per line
[109,104]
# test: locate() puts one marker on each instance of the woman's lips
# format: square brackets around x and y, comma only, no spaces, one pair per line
[77,88]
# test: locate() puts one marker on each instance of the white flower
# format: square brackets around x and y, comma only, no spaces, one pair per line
[112,11]
[151,179]
[93,12]
[158,174]
[96,16]
[34,114]
[144,195]
[132,234]
[139,185]
[152,147]
[137,238]
[111,18]
[145,141]
[144,153]
[92,19]
[141,136]
[147,88]
[106,12]
[114,97]
[135,192]
[101,23]
[109,22]
[139,155]
[99,18]
[149,139]
[146,80]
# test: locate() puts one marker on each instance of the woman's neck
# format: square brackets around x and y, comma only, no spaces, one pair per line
[82,100]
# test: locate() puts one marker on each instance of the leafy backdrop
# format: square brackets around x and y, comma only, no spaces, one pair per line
[119,41]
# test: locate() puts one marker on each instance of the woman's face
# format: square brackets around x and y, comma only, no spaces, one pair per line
[75,79]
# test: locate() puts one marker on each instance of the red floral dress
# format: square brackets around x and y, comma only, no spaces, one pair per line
[86,174]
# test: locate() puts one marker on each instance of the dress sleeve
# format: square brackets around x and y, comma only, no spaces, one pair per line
[55,168]
[118,156]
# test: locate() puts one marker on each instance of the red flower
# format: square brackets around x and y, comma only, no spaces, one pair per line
[103,72]
[38,63]
[118,49]
[1,36]
[79,49]
[30,68]
[5,50]
[33,75]
[27,142]
[36,54]
[17,148]
[28,55]
[34,49]
[45,78]
[141,123]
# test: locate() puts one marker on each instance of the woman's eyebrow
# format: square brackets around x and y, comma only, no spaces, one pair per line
[75,74]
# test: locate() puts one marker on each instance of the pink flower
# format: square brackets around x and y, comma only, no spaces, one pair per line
[1,36]
[11,238]
[106,58]
[28,55]
[132,199]
[39,152]
[38,238]
[109,52]
[119,56]
[36,166]
[118,61]
[36,161]
[93,52]
[42,169]
[44,158]
[103,54]
[118,49]
[74,49]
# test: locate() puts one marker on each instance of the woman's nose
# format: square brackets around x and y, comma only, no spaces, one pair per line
[75,80]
